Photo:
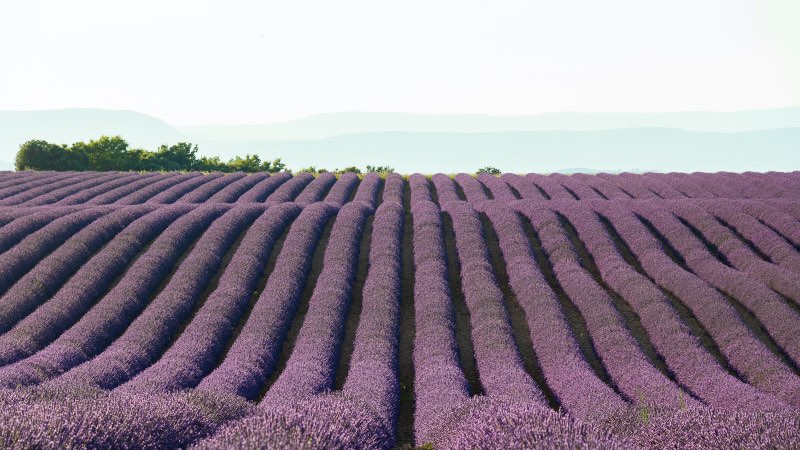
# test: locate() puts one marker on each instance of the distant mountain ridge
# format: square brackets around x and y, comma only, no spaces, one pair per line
[66,126]
[692,141]
[660,149]
[335,124]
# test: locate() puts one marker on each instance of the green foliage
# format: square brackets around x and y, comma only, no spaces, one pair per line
[211,164]
[643,409]
[105,153]
[112,153]
[252,163]
[42,155]
[380,169]
[312,169]
[352,169]
[490,170]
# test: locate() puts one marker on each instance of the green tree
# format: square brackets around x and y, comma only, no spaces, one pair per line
[105,153]
[181,156]
[380,169]
[42,155]
[112,153]
[248,163]
[312,169]
[490,170]
[252,163]
[274,166]
[351,169]
[211,164]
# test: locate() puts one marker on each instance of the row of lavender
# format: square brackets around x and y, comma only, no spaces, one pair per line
[140,303]
[121,188]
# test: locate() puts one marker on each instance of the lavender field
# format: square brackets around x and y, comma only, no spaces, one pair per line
[189,310]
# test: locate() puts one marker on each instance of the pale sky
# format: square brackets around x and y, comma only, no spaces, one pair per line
[225,62]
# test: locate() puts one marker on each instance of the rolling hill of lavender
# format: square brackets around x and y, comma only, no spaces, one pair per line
[211,311]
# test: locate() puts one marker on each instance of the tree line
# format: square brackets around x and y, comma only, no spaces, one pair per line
[114,153]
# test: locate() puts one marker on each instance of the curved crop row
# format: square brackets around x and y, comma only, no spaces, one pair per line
[88,283]
[8,178]
[253,355]
[496,355]
[738,254]
[24,222]
[497,186]
[368,190]
[172,194]
[472,188]
[576,187]
[51,179]
[103,183]
[372,374]
[393,190]
[146,337]
[264,188]
[776,220]
[550,188]
[8,215]
[439,383]
[779,319]
[523,186]
[628,367]
[205,191]
[109,317]
[85,195]
[290,189]
[420,188]
[746,354]
[766,240]
[35,287]
[316,189]
[693,367]
[445,189]
[232,192]
[311,366]
[85,179]
[143,194]
[102,187]
[342,190]
[199,346]
[115,194]
[579,391]
[18,260]
[615,188]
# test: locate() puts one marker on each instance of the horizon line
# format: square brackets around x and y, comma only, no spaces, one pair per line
[321,114]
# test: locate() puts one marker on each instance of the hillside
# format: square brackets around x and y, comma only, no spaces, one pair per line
[546,151]
[217,311]
[66,126]
[335,124]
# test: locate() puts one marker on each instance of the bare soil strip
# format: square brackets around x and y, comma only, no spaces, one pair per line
[405,368]
[354,312]
[519,322]
[575,320]
[302,307]
[463,329]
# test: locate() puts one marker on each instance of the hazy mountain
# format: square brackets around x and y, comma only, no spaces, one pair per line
[66,126]
[661,149]
[737,141]
[335,124]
